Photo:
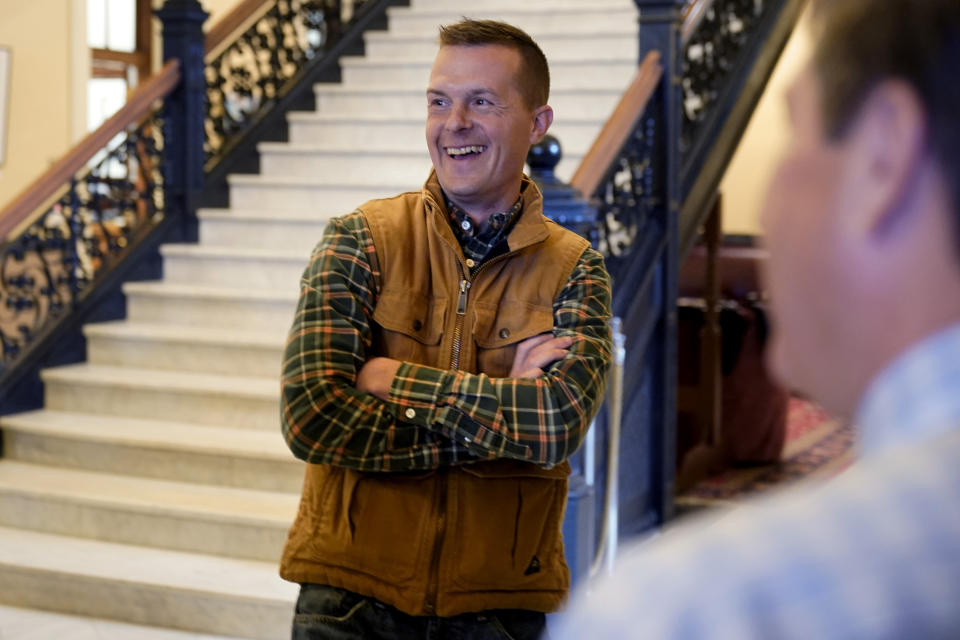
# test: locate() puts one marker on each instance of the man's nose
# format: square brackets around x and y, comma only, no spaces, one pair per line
[459,118]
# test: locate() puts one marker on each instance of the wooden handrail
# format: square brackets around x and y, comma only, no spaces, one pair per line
[231,22]
[44,187]
[692,15]
[619,126]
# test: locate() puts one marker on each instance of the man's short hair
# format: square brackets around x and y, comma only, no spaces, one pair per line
[863,42]
[534,77]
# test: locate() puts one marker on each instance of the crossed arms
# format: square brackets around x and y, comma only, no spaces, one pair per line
[416,417]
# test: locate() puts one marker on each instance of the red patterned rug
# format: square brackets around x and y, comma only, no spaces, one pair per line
[816,446]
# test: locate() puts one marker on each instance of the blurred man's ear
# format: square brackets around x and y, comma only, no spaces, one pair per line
[542,119]
[887,146]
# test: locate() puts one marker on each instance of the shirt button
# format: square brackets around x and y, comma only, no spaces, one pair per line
[417,325]
[410,413]
[504,333]
[471,263]
[465,225]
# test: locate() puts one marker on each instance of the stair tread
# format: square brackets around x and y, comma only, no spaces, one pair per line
[230,251]
[179,381]
[379,90]
[162,288]
[182,334]
[23,623]
[427,63]
[431,38]
[259,215]
[158,434]
[308,181]
[595,7]
[374,118]
[160,497]
[319,149]
[249,579]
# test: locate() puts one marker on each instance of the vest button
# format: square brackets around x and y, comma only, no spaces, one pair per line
[417,325]
[504,333]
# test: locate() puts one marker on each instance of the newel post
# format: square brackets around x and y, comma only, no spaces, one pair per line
[184,114]
[561,202]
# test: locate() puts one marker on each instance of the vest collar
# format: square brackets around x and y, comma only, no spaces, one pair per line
[529,229]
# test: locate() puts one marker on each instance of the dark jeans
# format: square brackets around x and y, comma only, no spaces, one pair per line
[338,614]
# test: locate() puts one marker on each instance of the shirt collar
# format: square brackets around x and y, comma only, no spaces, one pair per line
[914,398]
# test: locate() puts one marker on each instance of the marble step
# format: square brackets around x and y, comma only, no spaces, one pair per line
[239,523]
[220,456]
[140,585]
[176,348]
[17,623]
[193,305]
[298,232]
[620,43]
[412,167]
[371,133]
[273,269]
[341,101]
[564,74]
[507,4]
[594,16]
[222,401]
[295,193]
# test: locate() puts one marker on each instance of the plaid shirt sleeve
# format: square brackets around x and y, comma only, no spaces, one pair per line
[325,419]
[541,420]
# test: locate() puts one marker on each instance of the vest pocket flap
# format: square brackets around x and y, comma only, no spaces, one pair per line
[413,315]
[505,468]
[511,322]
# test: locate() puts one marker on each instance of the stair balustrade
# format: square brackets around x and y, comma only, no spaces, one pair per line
[98,215]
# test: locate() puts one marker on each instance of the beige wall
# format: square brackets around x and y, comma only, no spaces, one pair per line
[41,121]
[744,185]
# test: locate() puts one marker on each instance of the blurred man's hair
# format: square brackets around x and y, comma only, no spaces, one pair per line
[534,77]
[863,42]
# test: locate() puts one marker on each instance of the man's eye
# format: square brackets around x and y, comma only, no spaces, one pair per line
[482,102]
[436,102]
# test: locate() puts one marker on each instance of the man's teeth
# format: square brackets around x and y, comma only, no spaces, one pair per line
[462,151]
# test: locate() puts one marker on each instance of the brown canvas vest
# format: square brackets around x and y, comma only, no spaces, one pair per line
[465,538]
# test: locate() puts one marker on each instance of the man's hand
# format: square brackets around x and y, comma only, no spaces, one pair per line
[533,354]
[376,376]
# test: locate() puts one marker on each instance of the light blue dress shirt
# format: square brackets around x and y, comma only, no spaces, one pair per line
[873,553]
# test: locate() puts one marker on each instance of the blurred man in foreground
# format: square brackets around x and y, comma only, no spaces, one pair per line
[863,226]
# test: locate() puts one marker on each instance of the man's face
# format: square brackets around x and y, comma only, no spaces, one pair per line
[479,127]
[807,274]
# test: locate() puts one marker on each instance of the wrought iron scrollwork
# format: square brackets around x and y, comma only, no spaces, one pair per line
[109,205]
[254,70]
[629,194]
[710,56]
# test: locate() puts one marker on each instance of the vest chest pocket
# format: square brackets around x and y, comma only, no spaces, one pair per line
[499,328]
[408,327]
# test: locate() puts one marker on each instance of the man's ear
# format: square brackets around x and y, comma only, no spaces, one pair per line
[888,140]
[542,119]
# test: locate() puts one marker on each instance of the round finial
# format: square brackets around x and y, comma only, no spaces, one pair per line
[544,156]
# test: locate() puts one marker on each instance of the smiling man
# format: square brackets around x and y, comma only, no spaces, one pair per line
[448,353]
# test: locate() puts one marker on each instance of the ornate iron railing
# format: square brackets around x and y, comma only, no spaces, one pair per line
[84,215]
[670,136]
[107,207]
[247,75]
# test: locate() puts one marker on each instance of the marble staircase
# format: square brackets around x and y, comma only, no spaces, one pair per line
[154,487]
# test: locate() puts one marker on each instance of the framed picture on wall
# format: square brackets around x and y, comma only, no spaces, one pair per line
[5,57]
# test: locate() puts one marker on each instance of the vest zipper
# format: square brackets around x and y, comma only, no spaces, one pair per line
[430,605]
[458,327]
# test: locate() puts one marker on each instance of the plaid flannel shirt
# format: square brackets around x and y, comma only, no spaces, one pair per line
[459,417]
